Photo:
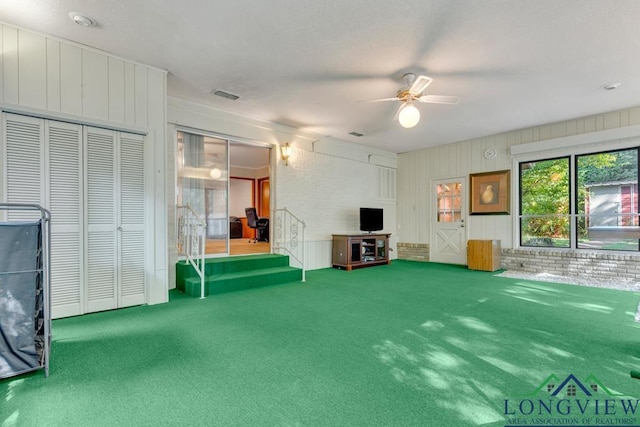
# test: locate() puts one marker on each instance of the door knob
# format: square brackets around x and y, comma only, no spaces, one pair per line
[119,228]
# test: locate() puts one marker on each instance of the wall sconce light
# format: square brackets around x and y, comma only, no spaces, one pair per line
[285,152]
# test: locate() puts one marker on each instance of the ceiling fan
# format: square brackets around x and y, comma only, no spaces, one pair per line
[408,115]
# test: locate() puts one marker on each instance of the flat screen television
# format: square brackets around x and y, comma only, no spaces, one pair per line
[371,219]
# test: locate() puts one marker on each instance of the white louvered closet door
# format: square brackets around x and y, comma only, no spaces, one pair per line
[92,181]
[63,188]
[102,224]
[131,220]
[23,163]
[115,243]
[43,166]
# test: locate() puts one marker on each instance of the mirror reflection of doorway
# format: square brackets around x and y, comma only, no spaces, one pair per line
[208,169]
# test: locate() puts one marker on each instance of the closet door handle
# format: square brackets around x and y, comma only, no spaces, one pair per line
[119,228]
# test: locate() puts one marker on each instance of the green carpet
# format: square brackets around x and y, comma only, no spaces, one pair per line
[408,344]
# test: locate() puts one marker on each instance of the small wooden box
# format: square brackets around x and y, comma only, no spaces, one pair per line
[483,255]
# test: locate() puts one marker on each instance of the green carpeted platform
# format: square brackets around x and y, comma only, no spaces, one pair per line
[237,273]
[408,344]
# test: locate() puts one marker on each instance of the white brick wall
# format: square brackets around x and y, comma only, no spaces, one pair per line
[327,193]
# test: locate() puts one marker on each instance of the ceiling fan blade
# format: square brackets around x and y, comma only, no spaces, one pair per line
[438,99]
[395,98]
[419,85]
[398,111]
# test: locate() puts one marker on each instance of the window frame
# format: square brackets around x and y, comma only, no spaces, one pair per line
[569,198]
[573,193]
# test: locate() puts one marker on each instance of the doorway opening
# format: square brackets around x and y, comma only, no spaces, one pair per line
[219,179]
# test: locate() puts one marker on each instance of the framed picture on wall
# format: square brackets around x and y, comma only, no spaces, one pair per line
[489,193]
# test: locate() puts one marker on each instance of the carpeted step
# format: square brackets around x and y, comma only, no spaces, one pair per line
[226,265]
[242,280]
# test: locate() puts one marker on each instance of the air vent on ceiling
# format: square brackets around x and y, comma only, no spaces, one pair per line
[358,134]
[226,95]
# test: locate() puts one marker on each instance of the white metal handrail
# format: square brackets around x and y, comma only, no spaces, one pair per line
[288,236]
[191,240]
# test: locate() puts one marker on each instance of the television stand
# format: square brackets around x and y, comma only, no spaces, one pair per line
[360,250]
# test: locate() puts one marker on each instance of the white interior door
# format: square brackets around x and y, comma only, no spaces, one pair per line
[115,219]
[448,231]
[43,166]
[65,201]
[131,257]
[102,221]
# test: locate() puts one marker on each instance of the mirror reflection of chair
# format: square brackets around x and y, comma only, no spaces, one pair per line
[261,225]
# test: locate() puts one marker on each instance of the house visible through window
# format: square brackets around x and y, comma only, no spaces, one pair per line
[593,205]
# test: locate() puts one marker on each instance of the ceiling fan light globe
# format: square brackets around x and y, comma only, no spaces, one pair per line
[409,116]
[215,173]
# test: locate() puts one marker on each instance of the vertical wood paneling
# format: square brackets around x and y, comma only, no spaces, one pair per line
[544,132]
[53,75]
[95,85]
[612,120]
[156,178]
[10,64]
[624,118]
[129,93]
[32,68]
[70,79]
[116,90]
[558,130]
[141,93]
[634,116]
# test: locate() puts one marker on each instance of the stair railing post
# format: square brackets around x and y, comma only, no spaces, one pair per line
[191,241]
[289,231]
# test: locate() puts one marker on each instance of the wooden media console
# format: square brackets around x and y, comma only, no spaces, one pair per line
[360,250]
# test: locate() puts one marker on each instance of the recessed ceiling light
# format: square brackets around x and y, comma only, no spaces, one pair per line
[82,20]
[611,86]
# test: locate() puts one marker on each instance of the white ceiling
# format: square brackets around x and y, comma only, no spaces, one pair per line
[307,63]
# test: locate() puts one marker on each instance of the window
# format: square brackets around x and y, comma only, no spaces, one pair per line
[545,203]
[606,197]
[571,390]
[449,202]
[593,205]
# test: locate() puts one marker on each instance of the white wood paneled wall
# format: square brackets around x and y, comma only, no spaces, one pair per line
[46,77]
[417,169]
